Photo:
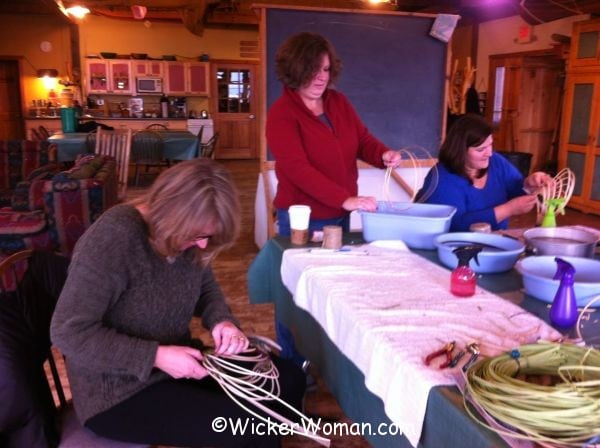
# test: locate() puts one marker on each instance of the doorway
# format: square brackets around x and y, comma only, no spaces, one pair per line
[11,112]
[524,104]
[233,103]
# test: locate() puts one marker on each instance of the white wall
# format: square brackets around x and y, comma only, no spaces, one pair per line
[499,37]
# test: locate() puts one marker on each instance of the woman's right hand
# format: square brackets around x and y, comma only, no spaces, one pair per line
[180,361]
[516,206]
[366,203]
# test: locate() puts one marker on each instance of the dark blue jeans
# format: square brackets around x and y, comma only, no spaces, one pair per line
[284,336]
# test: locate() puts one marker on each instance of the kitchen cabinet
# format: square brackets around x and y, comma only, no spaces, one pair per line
[186,78]
[580,134]
[109,76]
[147,68]
[139,124]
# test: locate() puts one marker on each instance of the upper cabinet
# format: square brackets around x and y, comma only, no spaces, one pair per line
[147,68]
[186,78]
[109,76]
[585,51]
[580,132]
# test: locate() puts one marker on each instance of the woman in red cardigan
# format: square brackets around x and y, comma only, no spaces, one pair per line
[316,137]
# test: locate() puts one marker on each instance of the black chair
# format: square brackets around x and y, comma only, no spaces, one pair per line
[157,126]
[147,151]
[208,149]
[26,309]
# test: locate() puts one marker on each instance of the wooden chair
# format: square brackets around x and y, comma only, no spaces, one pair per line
[117,144]
[157,126]
[147,151]
[208,149]
[90,141]
[72,433]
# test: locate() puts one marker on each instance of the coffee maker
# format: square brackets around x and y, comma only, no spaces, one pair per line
[180,107]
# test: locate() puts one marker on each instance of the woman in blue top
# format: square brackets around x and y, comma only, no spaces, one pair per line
[482,185]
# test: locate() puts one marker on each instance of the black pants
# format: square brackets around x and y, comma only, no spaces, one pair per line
[27,412]
[181,413]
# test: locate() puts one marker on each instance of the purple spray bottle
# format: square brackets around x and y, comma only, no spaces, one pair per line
[563,312]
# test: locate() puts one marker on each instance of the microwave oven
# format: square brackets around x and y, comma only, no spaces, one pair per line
[148,84]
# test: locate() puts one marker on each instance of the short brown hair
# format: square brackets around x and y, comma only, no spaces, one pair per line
[468,131]
[298,59]
[186,199]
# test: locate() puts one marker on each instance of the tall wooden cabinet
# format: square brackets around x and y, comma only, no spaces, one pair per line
[523,102]
[580,134]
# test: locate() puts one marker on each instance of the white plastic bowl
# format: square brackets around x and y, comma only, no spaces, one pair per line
[499,252]
[415,224]
[538,273]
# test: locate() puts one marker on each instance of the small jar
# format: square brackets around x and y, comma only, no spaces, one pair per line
[481,227]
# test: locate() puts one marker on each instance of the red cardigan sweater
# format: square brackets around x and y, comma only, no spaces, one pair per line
[315,164]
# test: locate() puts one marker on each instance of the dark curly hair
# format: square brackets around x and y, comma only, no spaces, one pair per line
[468,131]
[298,59]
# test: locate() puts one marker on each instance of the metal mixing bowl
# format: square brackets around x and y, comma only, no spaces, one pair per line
[561,241]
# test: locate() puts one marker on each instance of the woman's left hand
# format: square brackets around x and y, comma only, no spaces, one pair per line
[228,338]
[536,180]
[391,159]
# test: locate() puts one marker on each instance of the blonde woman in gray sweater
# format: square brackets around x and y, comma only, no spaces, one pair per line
[137,277]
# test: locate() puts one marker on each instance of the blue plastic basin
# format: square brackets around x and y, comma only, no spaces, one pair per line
[499,253]
[415,224]
[538,273]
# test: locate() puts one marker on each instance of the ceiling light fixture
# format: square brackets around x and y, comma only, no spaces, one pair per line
[139,11]
[77,11]
[47,73]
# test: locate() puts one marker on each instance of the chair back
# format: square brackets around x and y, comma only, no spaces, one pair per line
[208,149]
[157,126]
[147,146]
[90,141]
[116,144]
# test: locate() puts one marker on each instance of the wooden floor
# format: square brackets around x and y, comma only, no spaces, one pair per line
[231,267]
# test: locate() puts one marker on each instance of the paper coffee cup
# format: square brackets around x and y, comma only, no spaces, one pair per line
[299,219]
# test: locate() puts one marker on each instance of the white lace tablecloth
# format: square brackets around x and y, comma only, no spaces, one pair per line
[387,309]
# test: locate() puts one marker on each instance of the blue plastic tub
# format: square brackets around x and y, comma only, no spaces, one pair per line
[415,224]
[538,281]
[499,253]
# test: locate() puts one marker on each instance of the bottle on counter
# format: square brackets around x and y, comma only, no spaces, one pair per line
[462,279]
[164,106]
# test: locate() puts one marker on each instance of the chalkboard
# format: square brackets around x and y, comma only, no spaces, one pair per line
[393,70]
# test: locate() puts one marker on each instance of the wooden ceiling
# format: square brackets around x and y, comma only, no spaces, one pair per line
[198,14]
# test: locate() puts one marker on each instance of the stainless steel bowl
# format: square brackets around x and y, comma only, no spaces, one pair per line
[560,241]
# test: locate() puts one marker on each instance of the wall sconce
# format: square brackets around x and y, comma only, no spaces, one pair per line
[48,77]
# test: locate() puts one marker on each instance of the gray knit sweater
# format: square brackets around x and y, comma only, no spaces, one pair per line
[120,301]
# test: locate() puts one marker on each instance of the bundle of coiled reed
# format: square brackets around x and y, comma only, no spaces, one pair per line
[251,379]
[547,392]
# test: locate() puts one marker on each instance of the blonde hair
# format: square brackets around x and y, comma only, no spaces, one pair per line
[185,201]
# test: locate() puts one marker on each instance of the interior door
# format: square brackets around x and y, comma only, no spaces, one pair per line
[11,119]
[234,107]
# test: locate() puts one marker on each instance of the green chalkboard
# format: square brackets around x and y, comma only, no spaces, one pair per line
[393,70]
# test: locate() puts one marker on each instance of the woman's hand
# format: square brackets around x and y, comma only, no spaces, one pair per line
[516,206]
[367,203]
[536,180]
[180,361]
[391,159]
[228,338]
